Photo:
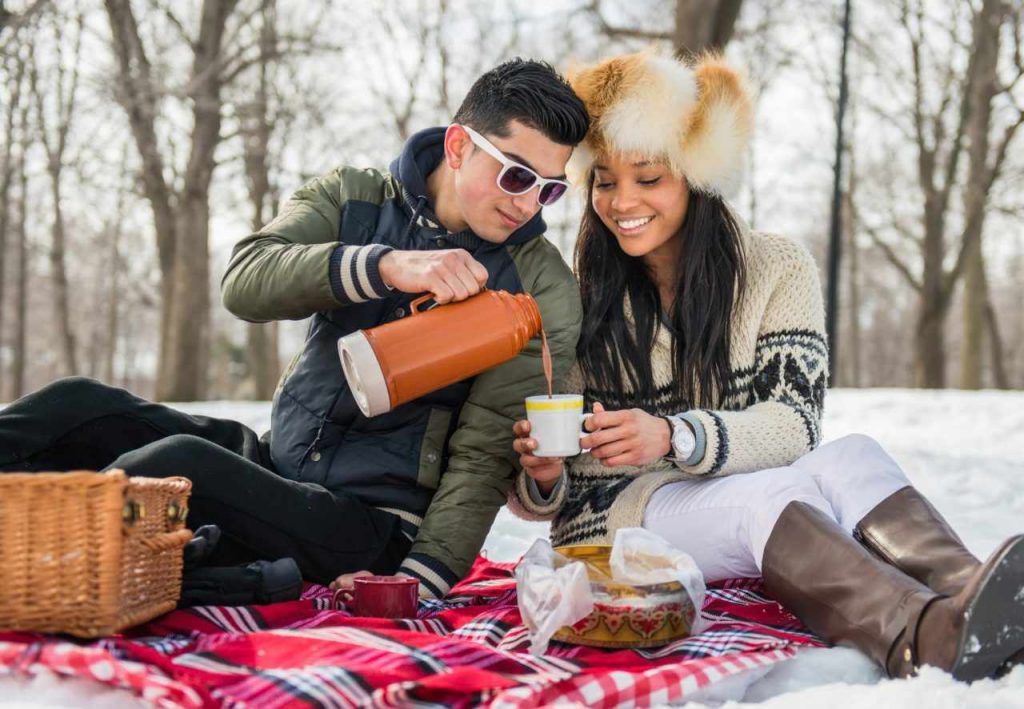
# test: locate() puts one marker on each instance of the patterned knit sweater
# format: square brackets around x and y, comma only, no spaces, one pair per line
[769,413]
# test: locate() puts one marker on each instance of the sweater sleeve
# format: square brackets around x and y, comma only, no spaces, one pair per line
[787,386]
[525,501]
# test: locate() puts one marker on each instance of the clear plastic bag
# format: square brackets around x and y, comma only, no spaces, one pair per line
[641,558]
[552,591]
[555,591]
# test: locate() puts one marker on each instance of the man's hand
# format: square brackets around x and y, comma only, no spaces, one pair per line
[449,275]
[627,437]
[346,582]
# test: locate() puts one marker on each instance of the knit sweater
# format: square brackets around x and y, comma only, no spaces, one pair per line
[768,414]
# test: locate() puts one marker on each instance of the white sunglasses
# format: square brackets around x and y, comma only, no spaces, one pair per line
[516,179]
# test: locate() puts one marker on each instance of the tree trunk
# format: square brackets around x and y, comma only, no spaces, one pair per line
[835,243]
[110,352]
[181,220]
[137,93]
[58,272]
[930,347]
[938,156]
[264,362]
[983,87]
[7,174]
[188,328]
[999,374]
[114,281]
[852,348]
[973,314]
[930,337]
[21,265]
[184,376]
[704,26]
[54,139]
[257,125]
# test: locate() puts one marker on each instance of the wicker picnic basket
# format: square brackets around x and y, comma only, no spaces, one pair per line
[89,554]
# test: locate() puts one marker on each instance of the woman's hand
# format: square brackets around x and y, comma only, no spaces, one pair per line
[545,471]
[627,437]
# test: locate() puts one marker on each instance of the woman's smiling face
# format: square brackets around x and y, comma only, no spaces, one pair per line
[640,201]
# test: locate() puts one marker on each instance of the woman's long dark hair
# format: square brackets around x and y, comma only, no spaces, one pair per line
[712,274]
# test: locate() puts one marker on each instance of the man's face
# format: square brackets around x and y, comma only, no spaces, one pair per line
[490,212]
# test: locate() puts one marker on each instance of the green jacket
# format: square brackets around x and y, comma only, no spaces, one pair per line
[444,463]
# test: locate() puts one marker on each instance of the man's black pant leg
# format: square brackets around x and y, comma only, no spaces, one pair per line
[80,423]
[265,516]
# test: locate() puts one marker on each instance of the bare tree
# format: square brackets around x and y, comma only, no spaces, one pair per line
[221,50]
[257,124]
[419,51]
[17,384]
[181,217]
[983,168]
[114,231]
[54,139]
[14,72]
[939,137]
[851,371]
[11,23]
[698,25]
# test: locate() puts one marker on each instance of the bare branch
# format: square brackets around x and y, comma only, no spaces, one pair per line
[1002,149]
[233,32]
[294,46]
[950,81]
[629,32]
[950,281]
[894,259]
[926,152]
[139,98]
[175,21]
[11,24]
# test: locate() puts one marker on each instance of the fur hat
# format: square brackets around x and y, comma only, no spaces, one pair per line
[697,117]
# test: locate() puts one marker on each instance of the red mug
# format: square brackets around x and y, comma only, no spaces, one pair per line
[381,596]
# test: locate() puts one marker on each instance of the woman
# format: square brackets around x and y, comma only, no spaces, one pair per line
[704,356]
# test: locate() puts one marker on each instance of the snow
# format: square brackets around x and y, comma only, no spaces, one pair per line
[964,450]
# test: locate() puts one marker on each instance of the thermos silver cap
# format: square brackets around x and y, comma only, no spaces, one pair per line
[364,375]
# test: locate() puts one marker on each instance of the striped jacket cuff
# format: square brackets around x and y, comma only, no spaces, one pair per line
[355,273]
[436,579]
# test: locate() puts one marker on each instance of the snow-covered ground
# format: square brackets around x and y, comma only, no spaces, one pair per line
[964,450]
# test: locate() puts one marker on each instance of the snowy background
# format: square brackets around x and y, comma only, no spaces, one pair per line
[964,450]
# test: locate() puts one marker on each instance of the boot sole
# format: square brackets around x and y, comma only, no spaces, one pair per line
[992,631]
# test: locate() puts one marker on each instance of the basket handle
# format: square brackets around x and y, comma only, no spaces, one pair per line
[164,542]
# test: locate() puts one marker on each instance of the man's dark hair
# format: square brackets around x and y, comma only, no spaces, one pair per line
[530,92]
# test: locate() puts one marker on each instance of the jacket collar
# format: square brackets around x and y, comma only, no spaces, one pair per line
[420,156]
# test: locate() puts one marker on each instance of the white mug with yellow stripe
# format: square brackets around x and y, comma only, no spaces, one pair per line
[556,423]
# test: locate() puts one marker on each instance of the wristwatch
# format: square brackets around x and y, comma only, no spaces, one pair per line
[683,440]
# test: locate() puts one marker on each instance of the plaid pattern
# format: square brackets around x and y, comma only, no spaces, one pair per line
[465,650]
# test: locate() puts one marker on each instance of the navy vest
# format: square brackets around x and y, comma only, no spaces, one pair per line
[319,434]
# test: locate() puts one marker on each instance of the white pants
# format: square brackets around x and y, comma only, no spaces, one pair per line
[724,523]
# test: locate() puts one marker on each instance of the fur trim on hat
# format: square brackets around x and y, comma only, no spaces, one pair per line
[698,118]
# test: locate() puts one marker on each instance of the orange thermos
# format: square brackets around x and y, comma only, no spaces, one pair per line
[399,361]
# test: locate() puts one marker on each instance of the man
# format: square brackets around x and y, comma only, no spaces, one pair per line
[413,491]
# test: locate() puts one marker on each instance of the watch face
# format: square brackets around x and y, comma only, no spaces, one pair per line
[682,441]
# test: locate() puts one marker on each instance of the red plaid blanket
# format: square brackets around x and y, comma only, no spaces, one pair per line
[468,649]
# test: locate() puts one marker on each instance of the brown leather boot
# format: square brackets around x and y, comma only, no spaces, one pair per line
[906,531]
[849,597]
